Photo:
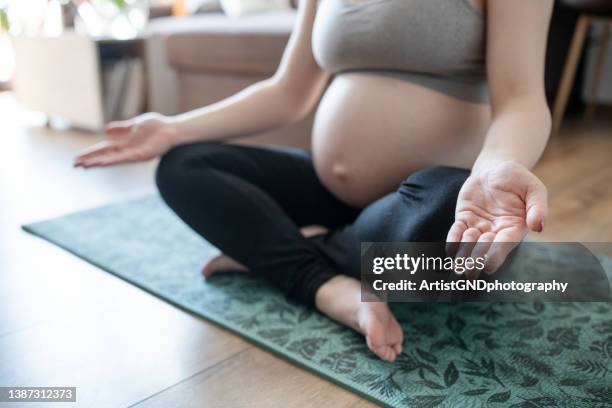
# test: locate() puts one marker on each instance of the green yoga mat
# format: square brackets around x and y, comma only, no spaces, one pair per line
[467,355]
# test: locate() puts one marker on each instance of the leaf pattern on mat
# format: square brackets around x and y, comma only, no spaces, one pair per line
[425,401]
[603,347]
[473,354]
[387,387]
[484,368]
[595,367]
[277,336]
[500,397]
[539,402]
[307,348]
[450,374]
[566,337]
[477,391]
[341,362]
[531,363]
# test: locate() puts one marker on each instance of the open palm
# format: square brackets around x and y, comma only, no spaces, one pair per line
[495,209]
[141,138]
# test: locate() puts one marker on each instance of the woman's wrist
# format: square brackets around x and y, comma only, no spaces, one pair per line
[188,128]
[486,163]
[492,157]
[176,126]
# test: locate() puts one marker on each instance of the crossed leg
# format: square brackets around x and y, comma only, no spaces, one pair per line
[251,203]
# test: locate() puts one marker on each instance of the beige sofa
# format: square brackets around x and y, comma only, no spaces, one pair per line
[214,56]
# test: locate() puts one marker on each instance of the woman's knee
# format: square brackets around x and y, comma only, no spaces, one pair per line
[429,198]
[169,167]
[434,188]
[175,167]
[441,181]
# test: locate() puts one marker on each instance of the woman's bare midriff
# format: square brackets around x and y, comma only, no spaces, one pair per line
[372,131]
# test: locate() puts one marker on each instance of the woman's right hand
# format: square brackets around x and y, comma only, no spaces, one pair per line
[141,138]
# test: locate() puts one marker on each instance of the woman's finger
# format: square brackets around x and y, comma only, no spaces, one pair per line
[482,246]
[119,128]
[97,150]
[89,163]
[124,156]
[536,202]
[480,250]
[468,241]
[111,157]
[97,161]
[454,237]
[505,241]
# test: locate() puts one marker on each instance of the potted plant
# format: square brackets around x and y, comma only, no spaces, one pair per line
[4,22]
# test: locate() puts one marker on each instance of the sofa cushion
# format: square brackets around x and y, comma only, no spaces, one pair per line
[252,44]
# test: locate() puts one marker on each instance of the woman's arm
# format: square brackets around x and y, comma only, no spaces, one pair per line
[502,199]
[516,48]
[281,100]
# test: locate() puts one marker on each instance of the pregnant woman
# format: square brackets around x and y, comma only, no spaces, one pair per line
[431,114]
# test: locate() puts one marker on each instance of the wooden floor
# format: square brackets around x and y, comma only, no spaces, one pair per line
[64,322]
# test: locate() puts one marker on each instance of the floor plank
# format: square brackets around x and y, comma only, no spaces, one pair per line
[253,378]
[577,170]
[116,348]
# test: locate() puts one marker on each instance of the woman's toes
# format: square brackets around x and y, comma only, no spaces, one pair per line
[398,348]
[390,354]
[384,335]
[380,351]
[384,352]
[222,263]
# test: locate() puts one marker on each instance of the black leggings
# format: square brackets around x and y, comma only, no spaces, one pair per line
[250,202]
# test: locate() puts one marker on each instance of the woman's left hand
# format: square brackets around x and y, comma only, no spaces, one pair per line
[496,207]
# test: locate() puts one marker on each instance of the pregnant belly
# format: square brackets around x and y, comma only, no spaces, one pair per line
[371,132]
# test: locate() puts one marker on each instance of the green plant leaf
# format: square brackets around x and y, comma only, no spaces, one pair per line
[120,4]
[4,22]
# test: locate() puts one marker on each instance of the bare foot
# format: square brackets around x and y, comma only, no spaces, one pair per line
[222,263]
[313,230]
[340,299]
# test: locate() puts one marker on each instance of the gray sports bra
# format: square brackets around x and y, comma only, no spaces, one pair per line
[439,44]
